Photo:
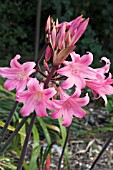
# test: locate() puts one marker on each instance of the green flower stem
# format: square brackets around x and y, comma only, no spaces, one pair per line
[102,151]
[54,68]
[13,134]
[63,150]
[8,121]
[23,152]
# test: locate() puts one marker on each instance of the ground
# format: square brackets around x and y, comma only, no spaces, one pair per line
[84,149]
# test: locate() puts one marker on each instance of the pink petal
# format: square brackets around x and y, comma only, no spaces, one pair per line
[49,105]
[76,94]
[41,109]
[81,101]
[14,63]
[64,71]
[57,104]
[22,96]
[29,106]
[21,85]
[28,67]
[104,97]
[109,79]
[63,94]
[87,72]
[75,57]
[67,118]
[50,92]
[107,89]
[56,115]
[87,59]
[11,84]
[68,83]
[78,111]
[80,82]
[10,73]
[107,66]
[33,85]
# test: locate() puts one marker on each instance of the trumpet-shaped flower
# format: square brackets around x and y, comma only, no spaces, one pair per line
[101,86]
[36,98]
[69,106]
[77,70]
[17,75]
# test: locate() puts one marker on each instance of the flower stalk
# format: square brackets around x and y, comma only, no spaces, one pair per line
[63,150]
[8,121]
[13,134]
[54,68]
[23,152]
[102,151]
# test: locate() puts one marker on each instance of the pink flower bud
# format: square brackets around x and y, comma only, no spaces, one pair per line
[79,32]
[46,65]
[48,53]
[61,37]
[53,37]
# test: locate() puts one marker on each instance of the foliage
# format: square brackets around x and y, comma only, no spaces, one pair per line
[109,106]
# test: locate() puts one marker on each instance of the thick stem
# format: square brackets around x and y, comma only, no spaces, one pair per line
[23,152]
[8,121]
[54,68]
[102,151]
[63,150]
[13,134]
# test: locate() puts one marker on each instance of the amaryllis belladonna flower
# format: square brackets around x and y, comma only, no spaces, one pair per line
[77,70]
[69,106]
[17,75]
[101,87]
[36,98]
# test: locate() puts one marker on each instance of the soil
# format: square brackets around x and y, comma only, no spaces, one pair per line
[83,150]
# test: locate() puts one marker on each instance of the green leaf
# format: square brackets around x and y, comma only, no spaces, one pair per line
[63,133]
[11,128]
[45,130]
[34,156]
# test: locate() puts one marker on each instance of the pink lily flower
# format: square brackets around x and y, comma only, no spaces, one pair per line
[17,75]
[77,70]
[36,98]
[101,87]
[69,106]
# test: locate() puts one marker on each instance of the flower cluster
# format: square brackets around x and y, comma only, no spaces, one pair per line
[50,93]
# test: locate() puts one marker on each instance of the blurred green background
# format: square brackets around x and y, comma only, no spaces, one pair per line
[18,24]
